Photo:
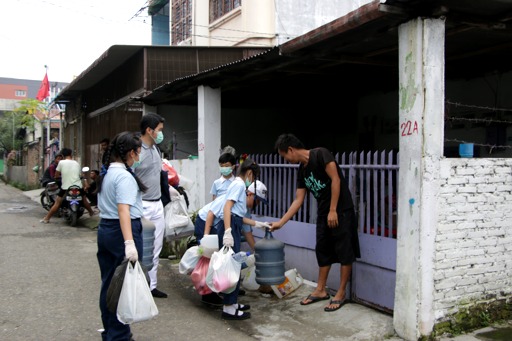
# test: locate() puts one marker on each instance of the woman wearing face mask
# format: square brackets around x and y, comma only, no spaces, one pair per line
[230,233]
[227,162]
[120,229]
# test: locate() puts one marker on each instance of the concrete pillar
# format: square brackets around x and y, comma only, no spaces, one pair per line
[421,113]
[208,125]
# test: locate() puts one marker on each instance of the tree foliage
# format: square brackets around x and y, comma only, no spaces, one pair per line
[23,117]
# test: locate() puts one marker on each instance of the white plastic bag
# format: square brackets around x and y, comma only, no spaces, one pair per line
[189,260]
[223,271]
[249,281]
[198,276]
[177,221]
[136,303]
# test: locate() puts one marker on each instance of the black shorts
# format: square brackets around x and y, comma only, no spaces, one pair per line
[339,244]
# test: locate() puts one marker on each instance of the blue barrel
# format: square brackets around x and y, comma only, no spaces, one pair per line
[148,241]
[269,256]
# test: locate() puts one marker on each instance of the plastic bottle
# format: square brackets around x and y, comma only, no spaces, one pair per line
[241,256]
[250,260]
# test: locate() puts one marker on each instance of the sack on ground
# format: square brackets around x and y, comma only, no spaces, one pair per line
[198,276]
[177,221]
[224,271]
[136,302]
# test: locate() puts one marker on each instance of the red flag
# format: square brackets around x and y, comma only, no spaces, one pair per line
[44,89]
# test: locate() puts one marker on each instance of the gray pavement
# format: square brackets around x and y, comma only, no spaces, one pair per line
[50,287]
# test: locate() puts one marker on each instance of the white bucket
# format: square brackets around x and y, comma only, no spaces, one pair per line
[209,243]
[292,281]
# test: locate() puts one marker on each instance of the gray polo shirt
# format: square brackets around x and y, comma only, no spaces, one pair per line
[149,172]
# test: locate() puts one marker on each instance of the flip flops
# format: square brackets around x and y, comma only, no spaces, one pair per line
[313,299]
[337,302]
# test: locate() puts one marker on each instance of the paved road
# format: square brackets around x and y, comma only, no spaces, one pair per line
[50,284]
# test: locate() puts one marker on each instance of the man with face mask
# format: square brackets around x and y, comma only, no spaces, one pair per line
[227,163]
[148,171]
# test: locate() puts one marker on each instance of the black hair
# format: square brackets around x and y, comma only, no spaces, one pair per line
[66,152]
[284,141]
[150,120]
[227,157]
[59,154]
[247,165]
[95,171]
[122,144]
[105,140]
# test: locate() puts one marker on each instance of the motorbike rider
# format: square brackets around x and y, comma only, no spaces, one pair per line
[68,170]
[49,173]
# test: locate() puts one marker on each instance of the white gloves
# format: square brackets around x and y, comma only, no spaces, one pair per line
[262,225]
[227,240]
[130,251]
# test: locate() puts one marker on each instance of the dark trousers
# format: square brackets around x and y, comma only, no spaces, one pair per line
[236,232]
[200,225]
[110,255]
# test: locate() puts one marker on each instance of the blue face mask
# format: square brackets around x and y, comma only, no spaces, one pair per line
[135,164]
[159,137]
[225,170]
[247,183]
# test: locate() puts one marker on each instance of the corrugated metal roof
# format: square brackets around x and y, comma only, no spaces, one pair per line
[361,44]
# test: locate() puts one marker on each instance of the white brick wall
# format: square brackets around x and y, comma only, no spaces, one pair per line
[473,256]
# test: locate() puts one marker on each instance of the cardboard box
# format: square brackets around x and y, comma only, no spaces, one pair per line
[292,281]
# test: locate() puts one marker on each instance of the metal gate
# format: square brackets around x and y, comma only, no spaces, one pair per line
[372,179]
[374,187]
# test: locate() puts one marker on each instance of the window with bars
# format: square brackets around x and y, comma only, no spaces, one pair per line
[218,8]
[181,21]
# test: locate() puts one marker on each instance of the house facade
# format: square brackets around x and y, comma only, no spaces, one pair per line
[420,77]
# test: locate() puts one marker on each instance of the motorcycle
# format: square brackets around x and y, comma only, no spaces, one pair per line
[49,194]
[71,208]
[72,203]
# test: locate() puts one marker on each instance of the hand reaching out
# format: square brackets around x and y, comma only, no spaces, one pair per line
[262,225]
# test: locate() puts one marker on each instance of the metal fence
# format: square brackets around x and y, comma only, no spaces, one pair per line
[372,179]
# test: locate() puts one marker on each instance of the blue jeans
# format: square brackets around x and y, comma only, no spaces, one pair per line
[236,232]
[110,255]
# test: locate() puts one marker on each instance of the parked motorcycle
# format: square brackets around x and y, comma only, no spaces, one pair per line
[48,195]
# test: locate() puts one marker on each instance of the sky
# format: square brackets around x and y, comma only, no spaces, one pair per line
[66,35]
